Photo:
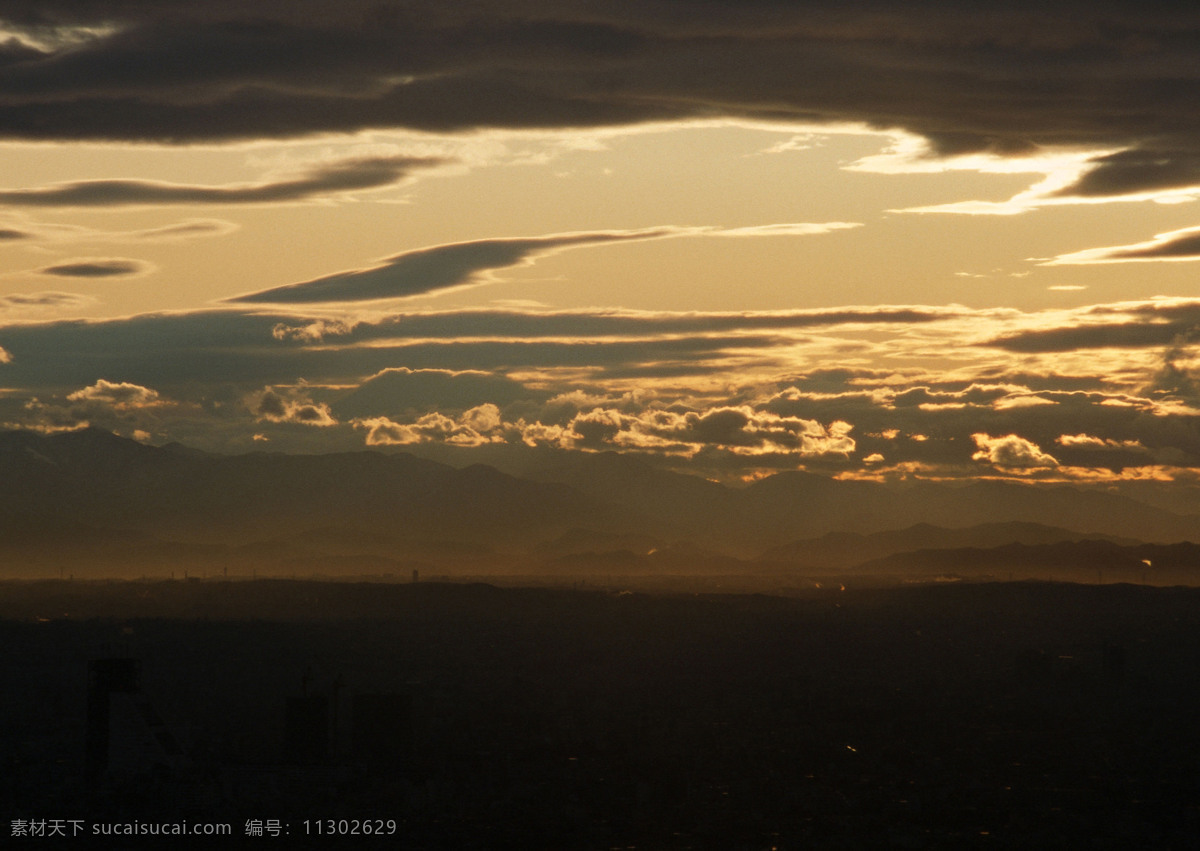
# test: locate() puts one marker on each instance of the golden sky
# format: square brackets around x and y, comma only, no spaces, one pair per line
[885,241]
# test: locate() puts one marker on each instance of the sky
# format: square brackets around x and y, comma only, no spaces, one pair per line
[884,240]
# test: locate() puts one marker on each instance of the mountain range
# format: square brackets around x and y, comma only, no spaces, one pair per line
[91,501]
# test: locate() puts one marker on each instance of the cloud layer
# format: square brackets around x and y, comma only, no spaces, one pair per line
[1011,79]
[1109,393]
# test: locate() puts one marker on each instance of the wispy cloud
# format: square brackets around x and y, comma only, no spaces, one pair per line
[783,229]
[1170,246]
[319,181]
[437,268]
[20,301]
[190,229]
[541,324]
[442,267]
[1072,177]
[42,233]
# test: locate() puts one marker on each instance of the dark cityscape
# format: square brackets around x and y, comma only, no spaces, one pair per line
[1017,715]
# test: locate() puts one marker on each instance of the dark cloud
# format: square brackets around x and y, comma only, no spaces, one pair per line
[970,78]
[1085,450]
[724,426]
[150,349]
[508,355]
[11,235]
[1147,168]
[289,406]
[597,429]
[328,179]
[112,267]
[1176,245]
[1176,377]
[1011,451]
[440,267]
[230,347]
[973,395]
[1115,335]
[270,405]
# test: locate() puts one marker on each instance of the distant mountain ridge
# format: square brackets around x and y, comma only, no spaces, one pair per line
[90,493]
[795,505]
[99,479]
[846,549]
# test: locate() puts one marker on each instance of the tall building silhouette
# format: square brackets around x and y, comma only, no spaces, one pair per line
[125,737]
